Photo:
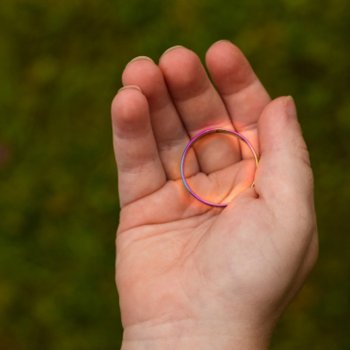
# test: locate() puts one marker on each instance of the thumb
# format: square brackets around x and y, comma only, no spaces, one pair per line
[284,174]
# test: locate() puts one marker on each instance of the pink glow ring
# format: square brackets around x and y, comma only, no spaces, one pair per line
[189,145]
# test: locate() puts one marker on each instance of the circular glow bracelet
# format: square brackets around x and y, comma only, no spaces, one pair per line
[189,145]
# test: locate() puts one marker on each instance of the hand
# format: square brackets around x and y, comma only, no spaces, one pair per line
[191,276]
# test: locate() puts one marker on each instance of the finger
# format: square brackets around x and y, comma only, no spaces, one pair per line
[200,106]
[140,171]
[169,132]
[242,92]
[284,175]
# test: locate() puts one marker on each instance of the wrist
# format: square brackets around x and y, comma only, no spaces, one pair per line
[189,334]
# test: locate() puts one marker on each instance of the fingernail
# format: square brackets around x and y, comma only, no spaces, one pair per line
[140,58]
[290,106]
[126,87]
[223,41]
[171,49]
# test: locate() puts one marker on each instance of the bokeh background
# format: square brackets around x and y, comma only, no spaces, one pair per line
[60,65]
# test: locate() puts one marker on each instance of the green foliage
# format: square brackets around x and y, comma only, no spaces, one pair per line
[60,65]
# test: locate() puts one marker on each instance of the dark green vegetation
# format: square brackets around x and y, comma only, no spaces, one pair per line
[60,65]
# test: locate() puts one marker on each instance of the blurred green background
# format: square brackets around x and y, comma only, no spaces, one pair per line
[60,65]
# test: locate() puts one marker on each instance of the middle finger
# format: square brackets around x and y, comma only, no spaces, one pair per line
[200,106]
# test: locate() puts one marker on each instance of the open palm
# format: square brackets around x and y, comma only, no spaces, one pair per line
[180,262]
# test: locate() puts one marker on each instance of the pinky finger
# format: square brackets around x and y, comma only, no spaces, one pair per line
[140,171]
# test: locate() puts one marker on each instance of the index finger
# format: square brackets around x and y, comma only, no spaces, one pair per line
[240,89]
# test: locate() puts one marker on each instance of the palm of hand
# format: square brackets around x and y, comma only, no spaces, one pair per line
[174,254]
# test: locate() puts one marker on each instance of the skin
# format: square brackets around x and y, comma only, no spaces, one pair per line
[190,276]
